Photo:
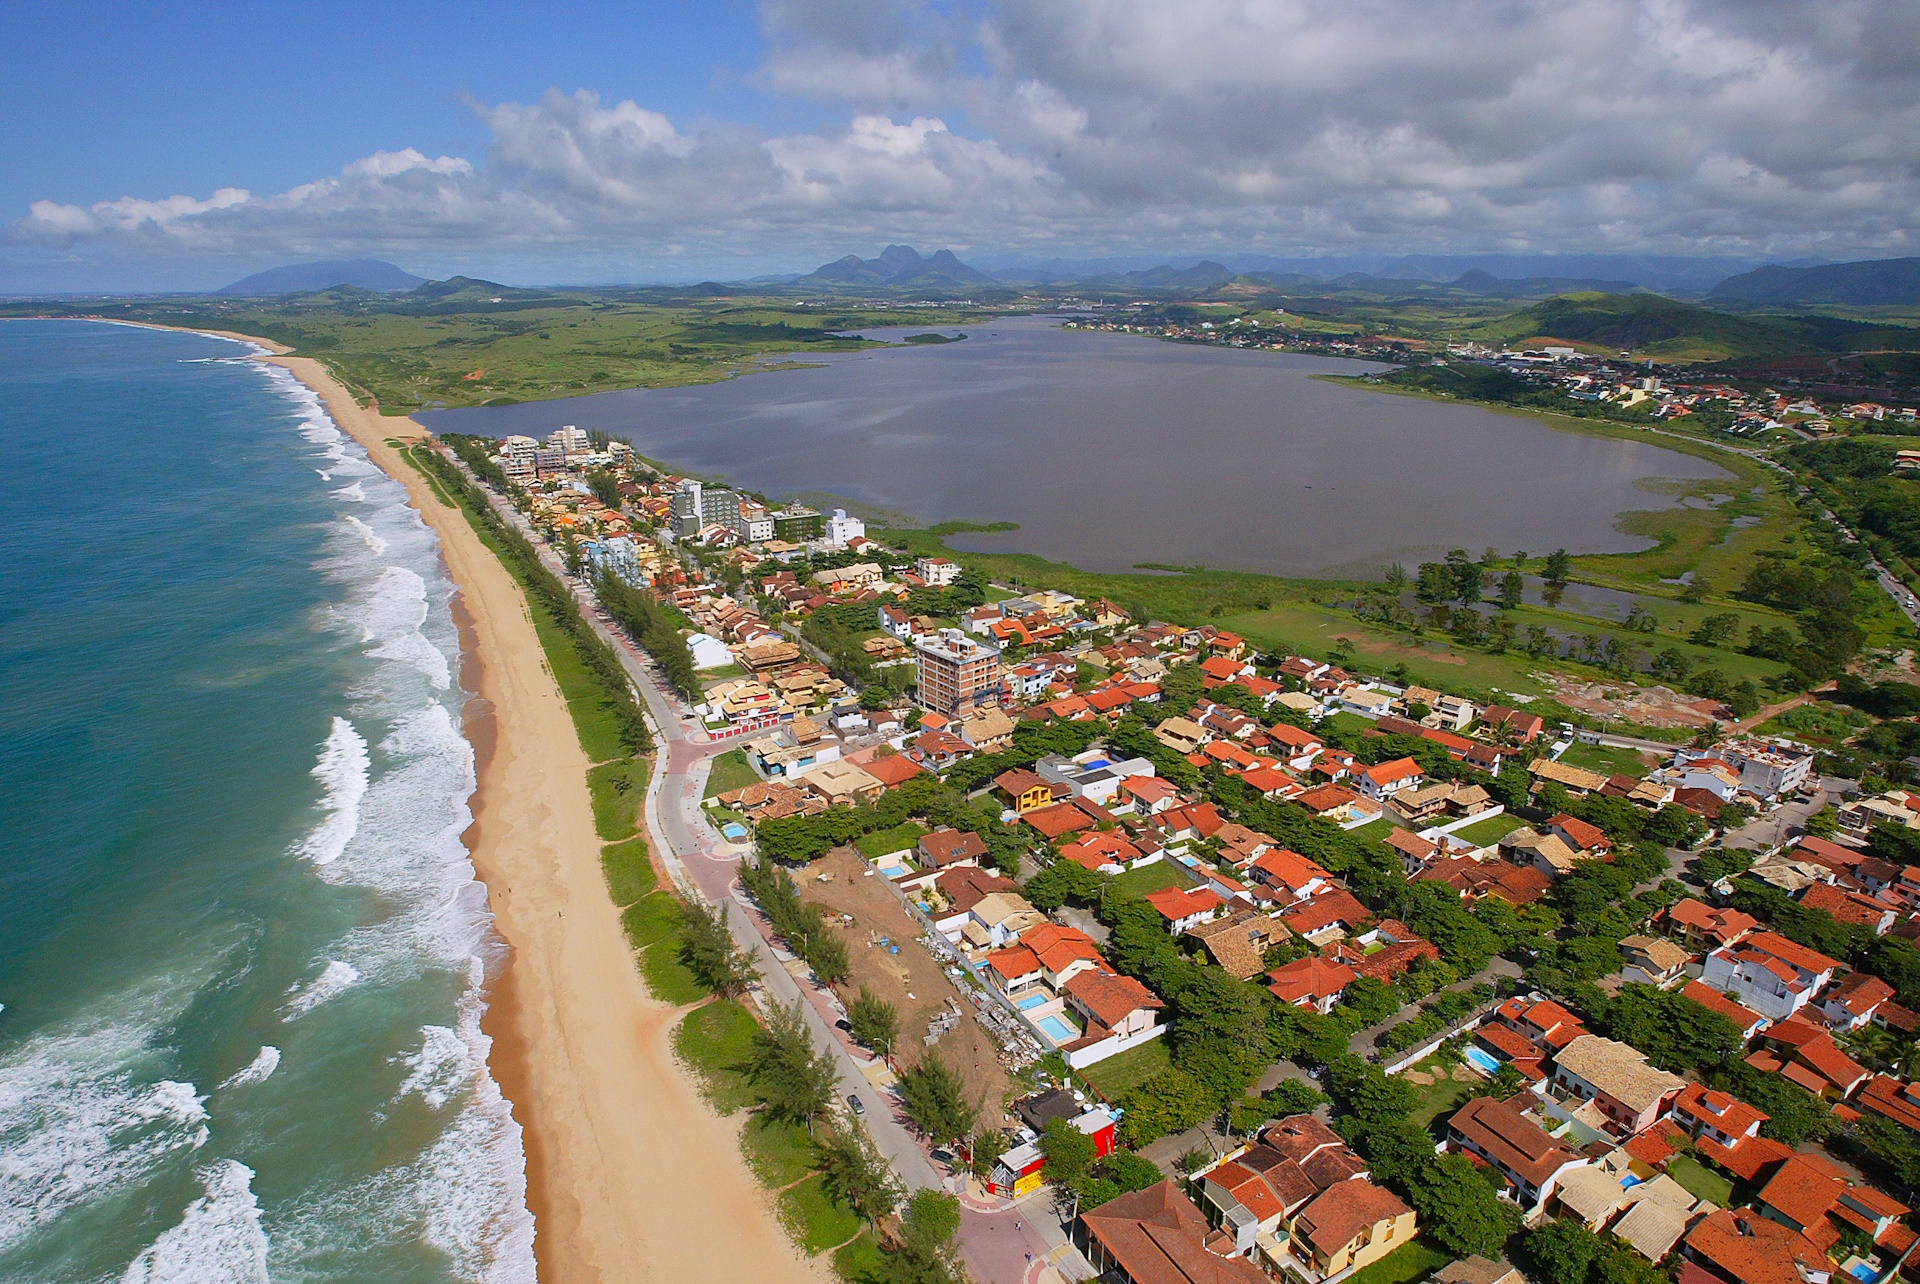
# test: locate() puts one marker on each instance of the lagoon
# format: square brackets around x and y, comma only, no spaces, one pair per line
[1113,451]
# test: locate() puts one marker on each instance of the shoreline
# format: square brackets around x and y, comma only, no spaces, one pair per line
[629,1173]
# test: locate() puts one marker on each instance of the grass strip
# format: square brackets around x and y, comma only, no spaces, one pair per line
[629,872]
[617,788]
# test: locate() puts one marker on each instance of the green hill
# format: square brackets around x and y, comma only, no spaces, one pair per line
[1655,326]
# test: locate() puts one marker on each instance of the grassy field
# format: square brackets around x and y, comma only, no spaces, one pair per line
[1413,1260]
[617,787]
[1151,878]
[1443,1096]
[1121,1074]
[1491,830]
[884,841]
[729,771]
[629,873]
[470,343]
[714,1040]
[1700,1181]
[1614,762]
[813,1219]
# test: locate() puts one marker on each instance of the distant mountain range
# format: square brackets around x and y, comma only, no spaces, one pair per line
[1875,281]
[898,267]
[304,278]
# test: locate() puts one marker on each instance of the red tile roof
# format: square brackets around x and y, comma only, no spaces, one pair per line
[1310,980]
[1752,1249]
[1157,1236]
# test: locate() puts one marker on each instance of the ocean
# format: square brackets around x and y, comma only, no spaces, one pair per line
[242,949]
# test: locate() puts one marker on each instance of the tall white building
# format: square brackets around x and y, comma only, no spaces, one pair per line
[841,528]
[571,441]
[517,459]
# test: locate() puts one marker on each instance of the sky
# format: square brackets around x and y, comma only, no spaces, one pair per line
[180,147]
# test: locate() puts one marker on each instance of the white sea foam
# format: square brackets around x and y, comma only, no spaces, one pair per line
[356,493]
[264,1063]
[367,535]
[78,1121]
[335,978]
[440,1069]
[342,770]
[218,1239]
[391,616]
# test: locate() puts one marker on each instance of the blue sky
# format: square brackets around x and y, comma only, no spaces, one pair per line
[155,149]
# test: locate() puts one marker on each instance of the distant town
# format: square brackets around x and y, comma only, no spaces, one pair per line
[1289,968]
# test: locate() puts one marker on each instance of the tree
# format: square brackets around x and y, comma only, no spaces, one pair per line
[709,951]
[1460,1209]
[1513,590]
[853,1172]
[935,1098]
[925,1254]
[874,1022]
[794,1079]
[1563,1251]
[1559,568]
[1069,1154]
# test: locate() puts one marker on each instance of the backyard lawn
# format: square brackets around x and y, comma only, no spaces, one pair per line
[1700,1181]
[1444,1094]
[881,842]
[1484,833]
[730,771]
[1413,1260]
[1151,878]
[1118,1075]
[1614,762]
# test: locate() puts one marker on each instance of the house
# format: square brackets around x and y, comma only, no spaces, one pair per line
[1575,780]
[1719,1123]
[1367,704]
[945,848]
[1118,1013]
[1063,952]
[1768,973]
[957,891]
[1616,1078]
[1809,1194]
[1579,835]
[1802,1053]
[1547,853]
[1477,1270]
[1064,818]
[841,782]
[1512,724]
[1739,1246]
[1705,927]
[1022,790]
[1327,916]
[1182,735]
[1744,1019]
[1531,1163]
[1240,941]
[1853,908]
[1384,951]
[1157,1236]
[1105,853]
[987,729]
[1892,1099]
[892,770]
[1311,982]
[1150,795]
[1853,1002]
[1652,960]
[1386,779]
[1185,908]
[1341,806]
[1292,876]
[1541,1022]
[1352,1225]
[1416,853]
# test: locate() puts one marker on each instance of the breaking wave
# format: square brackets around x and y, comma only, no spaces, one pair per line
[218,1239]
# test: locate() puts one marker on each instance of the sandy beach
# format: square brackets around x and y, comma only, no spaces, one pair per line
[630,1175]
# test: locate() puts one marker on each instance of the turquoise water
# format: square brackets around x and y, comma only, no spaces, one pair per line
[241,947]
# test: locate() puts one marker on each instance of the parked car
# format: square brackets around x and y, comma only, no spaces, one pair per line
[855,1103]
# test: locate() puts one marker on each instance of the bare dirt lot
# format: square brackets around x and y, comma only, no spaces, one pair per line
[911,980]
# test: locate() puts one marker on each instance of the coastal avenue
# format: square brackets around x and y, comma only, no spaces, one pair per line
[998,1242]
[683,838]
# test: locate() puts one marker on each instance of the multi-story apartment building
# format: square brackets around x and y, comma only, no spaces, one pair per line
[956,672]
[796,525]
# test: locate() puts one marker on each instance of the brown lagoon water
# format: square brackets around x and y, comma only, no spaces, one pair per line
[1114,450]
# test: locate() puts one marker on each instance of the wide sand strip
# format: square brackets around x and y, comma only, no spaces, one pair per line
[630,1175]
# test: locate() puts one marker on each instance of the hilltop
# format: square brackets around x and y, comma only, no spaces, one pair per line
[898,267]
[1875,282]
[1653,325]
[306,278]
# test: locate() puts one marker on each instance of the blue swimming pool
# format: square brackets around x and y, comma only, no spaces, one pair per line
[1057,1029]
[1861,1271]
[1028,1002]
[733,831]
[1482,1060]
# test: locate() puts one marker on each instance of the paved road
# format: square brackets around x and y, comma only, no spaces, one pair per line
[701,865]
[1497,969]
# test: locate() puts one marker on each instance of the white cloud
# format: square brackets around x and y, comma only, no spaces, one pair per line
[1716,126]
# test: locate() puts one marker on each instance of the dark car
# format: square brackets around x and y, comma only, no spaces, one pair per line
[858,1108]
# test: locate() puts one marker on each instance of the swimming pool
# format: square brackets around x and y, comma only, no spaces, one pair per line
[1862,1271]
[1027,1002]
[1057,1029]
[733,831]
[1482,1060]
